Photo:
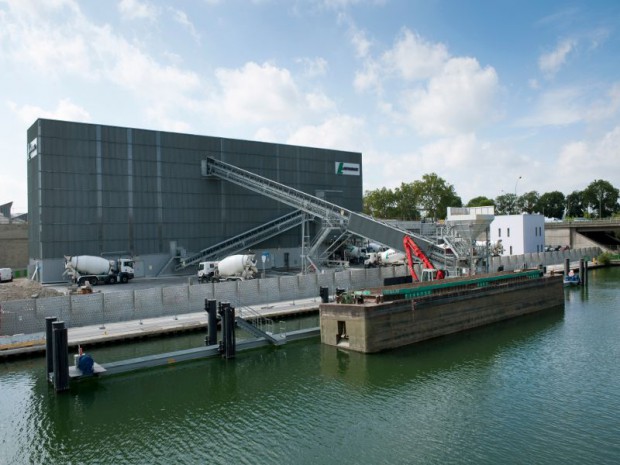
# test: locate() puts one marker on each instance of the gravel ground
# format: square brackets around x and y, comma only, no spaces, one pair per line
[25,289]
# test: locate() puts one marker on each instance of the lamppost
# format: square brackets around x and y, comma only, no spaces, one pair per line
[515,198]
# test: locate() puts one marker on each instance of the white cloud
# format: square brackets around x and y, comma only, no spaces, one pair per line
[135,9]
[550,63]
[413,58]
[65,110]
[181,17]
[264,93]
[75,47]
[570,105]
[429,90]
[340,133]
[605,108]
[313,67]
[586,160]
[258,93]
[458,99]
[555,108]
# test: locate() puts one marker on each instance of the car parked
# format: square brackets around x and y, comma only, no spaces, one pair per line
[6,275]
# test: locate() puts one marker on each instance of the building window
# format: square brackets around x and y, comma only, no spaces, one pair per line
[510,250]
[499,232]
[507,232]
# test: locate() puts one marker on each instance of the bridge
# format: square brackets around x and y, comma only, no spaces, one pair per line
[603,233]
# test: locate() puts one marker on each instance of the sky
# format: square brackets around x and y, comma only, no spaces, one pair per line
[497,96]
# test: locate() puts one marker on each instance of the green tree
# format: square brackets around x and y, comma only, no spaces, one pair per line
[506,204]
[601,197]
[480,201]
[436,195]
[527,202]
[574,204]
[407,200]
[551,204]
[380,203]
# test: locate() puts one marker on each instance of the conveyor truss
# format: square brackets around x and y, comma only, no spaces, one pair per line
[335,220]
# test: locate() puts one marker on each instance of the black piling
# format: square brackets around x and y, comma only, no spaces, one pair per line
[211,309]
[228,343]
[585,273]
[566,266]
[49,344]
[61,356]
[581,271]
[324,293]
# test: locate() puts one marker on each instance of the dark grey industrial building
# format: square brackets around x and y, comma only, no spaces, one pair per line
[105,190]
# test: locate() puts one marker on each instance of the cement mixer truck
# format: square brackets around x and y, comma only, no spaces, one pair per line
[93,269]
[232,268]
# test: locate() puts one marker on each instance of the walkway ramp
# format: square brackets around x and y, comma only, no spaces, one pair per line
[333,216]
[245,240]
[259,326]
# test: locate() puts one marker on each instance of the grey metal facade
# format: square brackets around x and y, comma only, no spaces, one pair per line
[96,189]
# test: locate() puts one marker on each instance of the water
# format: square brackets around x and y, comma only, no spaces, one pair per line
[543,389]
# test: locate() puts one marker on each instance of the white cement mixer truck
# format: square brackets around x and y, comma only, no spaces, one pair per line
[92,269]
[232,268]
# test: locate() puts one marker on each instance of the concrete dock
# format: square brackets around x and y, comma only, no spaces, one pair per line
[34,344]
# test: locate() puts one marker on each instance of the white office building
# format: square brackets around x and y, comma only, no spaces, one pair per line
[519,234]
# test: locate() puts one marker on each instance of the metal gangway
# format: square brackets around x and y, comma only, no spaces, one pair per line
[246,239]
[333,216]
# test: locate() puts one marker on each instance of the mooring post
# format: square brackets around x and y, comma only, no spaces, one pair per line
[324,293]
[585,272]
[49,344]
[212,321]
[228,329]
[233,336]
[566,266]
[581,270]
[61,356]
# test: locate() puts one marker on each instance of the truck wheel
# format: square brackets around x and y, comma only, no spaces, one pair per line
[81,281]
[124,279]
[112,280]
[93,281]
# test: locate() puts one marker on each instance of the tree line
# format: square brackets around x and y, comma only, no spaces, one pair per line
[431,196]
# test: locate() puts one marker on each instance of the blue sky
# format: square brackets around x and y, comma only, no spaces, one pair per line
[479,92]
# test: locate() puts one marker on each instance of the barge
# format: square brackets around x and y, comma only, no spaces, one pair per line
[395,316]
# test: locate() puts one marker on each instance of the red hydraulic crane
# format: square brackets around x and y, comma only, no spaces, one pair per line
[411,249]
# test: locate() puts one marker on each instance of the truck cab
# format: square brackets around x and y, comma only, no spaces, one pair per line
[125,270]
[206,271]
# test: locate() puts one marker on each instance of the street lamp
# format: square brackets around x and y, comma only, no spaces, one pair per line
[515,199]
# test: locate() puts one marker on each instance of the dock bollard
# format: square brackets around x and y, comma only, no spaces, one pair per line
[49,345]
[211,308]
[324,293]
[566,266]
[61,356]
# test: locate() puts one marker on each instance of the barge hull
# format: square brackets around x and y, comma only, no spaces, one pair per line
[374,327]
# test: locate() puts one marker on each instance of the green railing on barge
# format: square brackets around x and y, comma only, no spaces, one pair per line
[442,286]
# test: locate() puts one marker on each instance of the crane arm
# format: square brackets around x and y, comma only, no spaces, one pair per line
[411,249]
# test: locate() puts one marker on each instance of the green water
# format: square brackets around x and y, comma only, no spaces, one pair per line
[543,389]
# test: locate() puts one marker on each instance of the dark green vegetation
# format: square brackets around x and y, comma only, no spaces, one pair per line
[431,196]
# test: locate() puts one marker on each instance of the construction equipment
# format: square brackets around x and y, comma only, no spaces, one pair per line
[412,250]
[95,269]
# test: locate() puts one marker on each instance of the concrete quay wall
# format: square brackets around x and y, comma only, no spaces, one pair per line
[28,316]
[376,327]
